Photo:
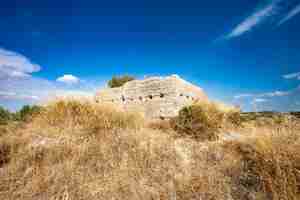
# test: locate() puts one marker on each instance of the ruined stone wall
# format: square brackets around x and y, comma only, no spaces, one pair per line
[155,97]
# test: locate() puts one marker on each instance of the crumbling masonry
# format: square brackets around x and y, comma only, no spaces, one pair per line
[155,97]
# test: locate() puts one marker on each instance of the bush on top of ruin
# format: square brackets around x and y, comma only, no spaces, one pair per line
[118,81]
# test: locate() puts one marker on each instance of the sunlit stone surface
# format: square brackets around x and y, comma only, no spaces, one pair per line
[155,97]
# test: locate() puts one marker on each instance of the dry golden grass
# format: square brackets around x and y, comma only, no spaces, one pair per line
[268,166]
[162,125]
[87,116]
[77,150]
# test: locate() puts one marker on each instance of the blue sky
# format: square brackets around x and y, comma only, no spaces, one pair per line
[240,52]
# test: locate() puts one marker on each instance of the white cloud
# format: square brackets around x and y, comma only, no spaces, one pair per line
[290,15]
[16,91]
[61,93]
[267,94]
[68,79]
[255,19]
[278,100]
[260,100]
[15,65]
[16,96]
[5,94]
[276,94]
[239,96]
[292,76]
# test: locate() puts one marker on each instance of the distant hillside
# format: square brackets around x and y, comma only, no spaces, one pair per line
[296,114]
[269,116]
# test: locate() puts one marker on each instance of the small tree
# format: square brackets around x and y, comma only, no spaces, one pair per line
[27,111]
[119,81]
[5,115]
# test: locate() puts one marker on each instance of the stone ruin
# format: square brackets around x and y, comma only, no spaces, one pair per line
[155,97]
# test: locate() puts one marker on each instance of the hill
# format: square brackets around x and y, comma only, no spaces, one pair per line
[82,150]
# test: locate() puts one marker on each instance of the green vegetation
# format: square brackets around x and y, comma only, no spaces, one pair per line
[296,114]
[267,118]
[199,121]
[23,114]
[26,112]
[5,116]
[119,81]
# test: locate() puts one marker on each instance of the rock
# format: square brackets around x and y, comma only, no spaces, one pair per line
[155,97]
[231,136]
[40,141]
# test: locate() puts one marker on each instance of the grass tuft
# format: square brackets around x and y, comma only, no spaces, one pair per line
[76,116]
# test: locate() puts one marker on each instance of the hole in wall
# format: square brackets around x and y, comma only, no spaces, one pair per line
[161,95]
[150,97]
[123,98]
[181,95]
[161,118]
[141,98]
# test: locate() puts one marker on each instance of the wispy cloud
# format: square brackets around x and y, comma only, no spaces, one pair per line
[273,10]
[295,75]
[255,19]
[261,95]
[277,100]
[239,96]
[16,96]
[290,15]
[260,100]
[276,94]
[13,64]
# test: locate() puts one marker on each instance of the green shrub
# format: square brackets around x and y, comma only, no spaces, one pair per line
[266,118]
[5,116]
[204,120]
[200,121]
[280,119]
[119,81]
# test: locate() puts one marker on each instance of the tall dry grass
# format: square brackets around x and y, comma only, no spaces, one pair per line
[268,166]
[86,117]
[77,150]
